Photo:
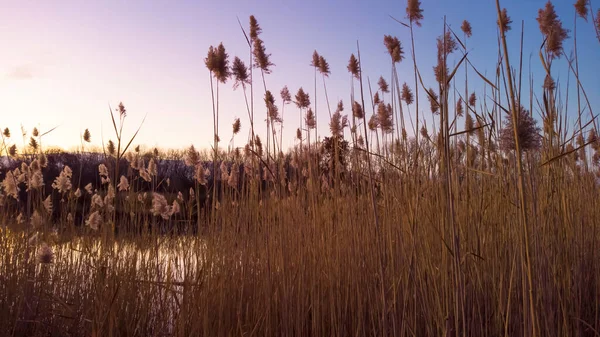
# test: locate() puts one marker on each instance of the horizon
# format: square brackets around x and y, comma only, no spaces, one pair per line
[66,63]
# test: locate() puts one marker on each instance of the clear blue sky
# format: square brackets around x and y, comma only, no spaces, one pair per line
[63,62]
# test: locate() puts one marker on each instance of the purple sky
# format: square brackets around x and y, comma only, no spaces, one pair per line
[63,62]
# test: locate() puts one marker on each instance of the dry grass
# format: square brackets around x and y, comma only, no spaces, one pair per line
[449,234]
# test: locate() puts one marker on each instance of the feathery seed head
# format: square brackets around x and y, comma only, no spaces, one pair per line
[255,29]
[466,28]
[240,73]
[191,156]
[527,130]
[357,110]
[12,150]
[237,125]
[504,21]
[44,254]
[302,99]
[432,96]
[6,132]
[35,132]
[414,12]
[376,99]
[121,109]
[94,220]
[261,58]
[324,66]
[87,137]
[310,119]
[472,100]
[285,95]
[123,184]
[407,95]
[315,59]
[552,29]
[394,48]
[459,108]
[111,148]
[469,124]
[353,66]
[383,85]
[581,8]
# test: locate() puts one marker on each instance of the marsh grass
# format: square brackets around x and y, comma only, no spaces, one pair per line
[491,230]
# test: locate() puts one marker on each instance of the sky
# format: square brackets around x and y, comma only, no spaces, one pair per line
[63,62]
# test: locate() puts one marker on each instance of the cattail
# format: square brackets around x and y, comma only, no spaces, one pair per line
[237,125]
[6,132]
[581,8]
[504,21]
[240,73]
[12,150]
[394,48]
[255,29]
[433,101]
[353,66]
[94,220]
[191,156]
[414,12]
[87,137]
[472,100]
[44,254]
[324,66]
[286,97]
[552,29]
[160,206]
[123,184]
[48,204]
[357,110]
[383,85]
[302,99]
[310,119]
[376,99]
[527,130]
[111,148]
[459,108]
[466,28]
[407,95]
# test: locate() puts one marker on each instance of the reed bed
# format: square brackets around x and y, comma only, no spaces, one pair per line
[483,225]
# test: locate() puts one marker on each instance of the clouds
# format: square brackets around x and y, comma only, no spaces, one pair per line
[24,72]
